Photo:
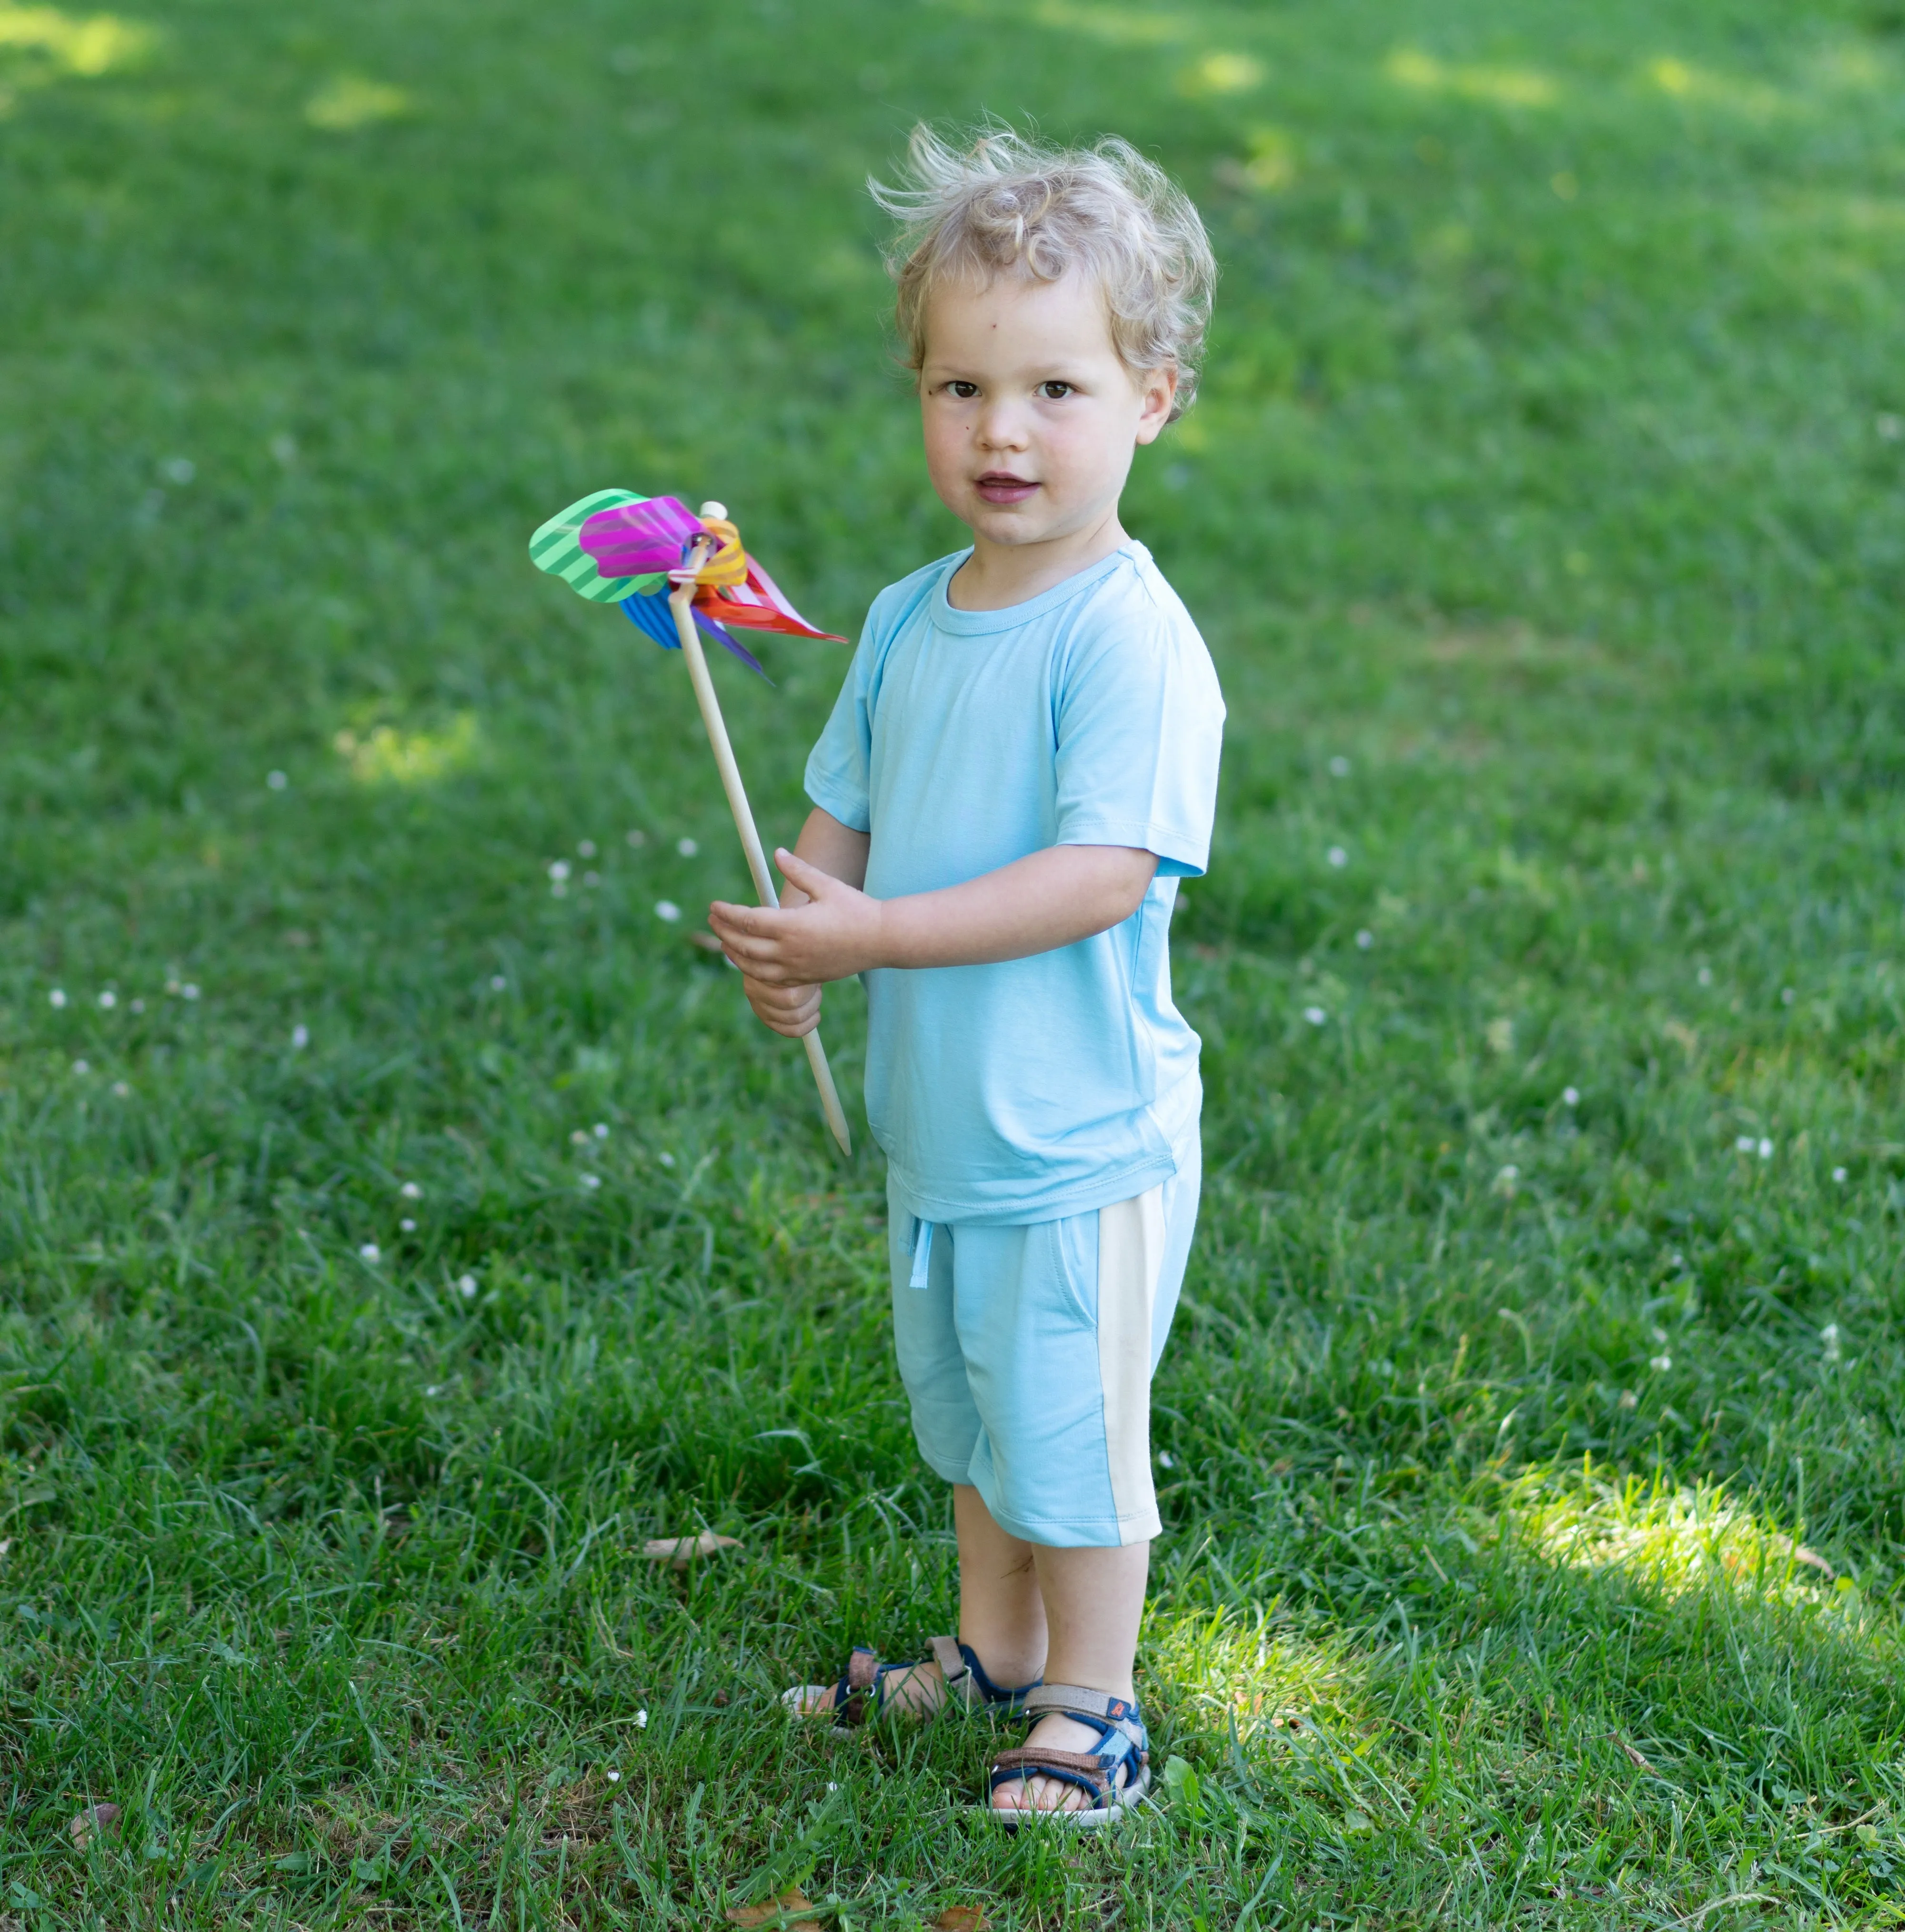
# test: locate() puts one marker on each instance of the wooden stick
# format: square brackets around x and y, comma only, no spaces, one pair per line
[680,600]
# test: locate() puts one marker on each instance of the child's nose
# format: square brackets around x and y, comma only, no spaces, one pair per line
[1002,427]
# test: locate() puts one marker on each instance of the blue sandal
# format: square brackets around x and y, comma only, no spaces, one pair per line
[861,1692]
[1124,1753]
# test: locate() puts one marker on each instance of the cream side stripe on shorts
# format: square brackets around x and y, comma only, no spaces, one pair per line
[1130,1257]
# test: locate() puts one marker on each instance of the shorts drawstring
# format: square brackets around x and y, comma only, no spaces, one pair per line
[922,1253]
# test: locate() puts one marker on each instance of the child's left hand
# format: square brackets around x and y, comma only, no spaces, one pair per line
[835,933]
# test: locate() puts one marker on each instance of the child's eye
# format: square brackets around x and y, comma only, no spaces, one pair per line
[1055,392]
[965,392]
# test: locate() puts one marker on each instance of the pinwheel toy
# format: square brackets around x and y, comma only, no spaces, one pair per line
[676,574]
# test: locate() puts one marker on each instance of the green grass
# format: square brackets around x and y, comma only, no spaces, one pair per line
[1536,1490]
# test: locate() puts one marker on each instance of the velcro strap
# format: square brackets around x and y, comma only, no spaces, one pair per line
[1075,1701]
[1030,1759]
[863,1670]
[953,1669]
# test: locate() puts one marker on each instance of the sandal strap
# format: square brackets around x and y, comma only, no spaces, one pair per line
[1094,1776]
[1098,1707]
[965,1678]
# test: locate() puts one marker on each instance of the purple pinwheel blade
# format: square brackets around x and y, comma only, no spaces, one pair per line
[632,539]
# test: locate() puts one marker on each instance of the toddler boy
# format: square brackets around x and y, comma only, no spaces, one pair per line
[1020,766]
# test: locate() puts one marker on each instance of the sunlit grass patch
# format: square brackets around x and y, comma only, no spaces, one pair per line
[87,44]
[351,101]
[1678,1542]
[1500,86]
[386,755]
[1222,1672]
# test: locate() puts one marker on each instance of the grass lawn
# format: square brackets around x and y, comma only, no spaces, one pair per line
[395,1235]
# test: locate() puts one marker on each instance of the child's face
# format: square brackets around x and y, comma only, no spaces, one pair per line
[1030,418]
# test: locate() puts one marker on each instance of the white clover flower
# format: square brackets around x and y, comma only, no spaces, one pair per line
[1365,940]
[1315,1015]
[1704,976]
[1337,857]
[371,1251]
[666,910]
[1786,996]
[172,988]
[590,1182]
[467,1286]
[638,837]
[1339,766]
[666,1159]
[276,781]
[587,849]
[1829,1335]
[498,983]
[558,869]
[641,1720]
[578,1137]
[1659,1364]
[122,1090]
[300,1037]
[411,1191]
[406,1226]
[1744,1144]
[1766,1150]
[57,998]
[1629,1399]
[188,991]
[81,1067]
[614,1776]
[437,1388]
[687,847]
[600,1130]
[109,999]
[1839,1174]
[1570,1097]
[1164,1461]
[137,1006]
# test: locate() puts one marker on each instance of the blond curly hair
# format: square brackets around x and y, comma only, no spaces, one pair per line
[1003,203]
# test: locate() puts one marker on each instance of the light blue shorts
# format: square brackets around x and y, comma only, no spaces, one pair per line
[1028,1354]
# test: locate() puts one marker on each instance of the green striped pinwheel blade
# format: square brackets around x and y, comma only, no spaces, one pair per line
[554,548]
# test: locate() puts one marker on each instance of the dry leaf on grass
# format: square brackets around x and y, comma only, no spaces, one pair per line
[1634,1758]
[680,1551]
[99,1819]
[792,1905]
[962,1918]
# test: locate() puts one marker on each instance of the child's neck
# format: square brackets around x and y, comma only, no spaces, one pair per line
[997,575]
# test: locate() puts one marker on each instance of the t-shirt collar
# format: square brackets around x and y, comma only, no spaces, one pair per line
[974,623]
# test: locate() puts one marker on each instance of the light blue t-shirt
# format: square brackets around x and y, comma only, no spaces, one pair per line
[963,740]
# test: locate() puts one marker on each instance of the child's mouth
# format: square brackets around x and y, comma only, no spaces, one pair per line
[999,486]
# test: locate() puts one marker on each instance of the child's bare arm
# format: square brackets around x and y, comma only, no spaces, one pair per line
[828,929]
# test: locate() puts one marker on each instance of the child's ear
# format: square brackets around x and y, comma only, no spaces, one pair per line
[1158,390]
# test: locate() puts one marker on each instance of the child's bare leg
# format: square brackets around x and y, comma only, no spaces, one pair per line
[1001,1614]
[1093,1600]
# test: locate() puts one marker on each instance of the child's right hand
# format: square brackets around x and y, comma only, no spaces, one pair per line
[791,1010]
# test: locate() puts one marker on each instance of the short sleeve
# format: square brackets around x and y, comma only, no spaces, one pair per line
[1140,727]
[839,768]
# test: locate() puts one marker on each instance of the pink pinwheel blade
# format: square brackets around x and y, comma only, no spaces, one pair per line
[633,539]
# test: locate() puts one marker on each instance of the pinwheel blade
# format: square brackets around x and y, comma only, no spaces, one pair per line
[651,615]
[638,537]
[555,548]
